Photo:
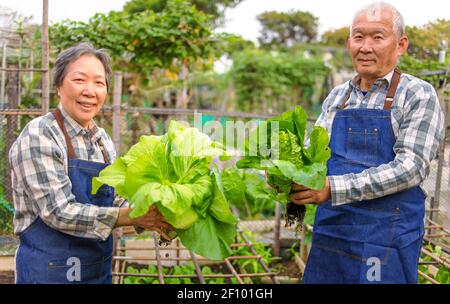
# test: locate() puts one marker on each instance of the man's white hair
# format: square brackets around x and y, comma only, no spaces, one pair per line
[373,13]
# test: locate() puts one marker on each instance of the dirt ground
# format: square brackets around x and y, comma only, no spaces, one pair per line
[6,277]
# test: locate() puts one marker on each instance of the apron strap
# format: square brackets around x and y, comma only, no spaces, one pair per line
[389,96]
[347,96]
[102,148]
[70,150]
[392,88]
[60,120]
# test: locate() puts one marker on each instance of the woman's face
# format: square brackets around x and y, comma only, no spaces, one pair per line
[83,90]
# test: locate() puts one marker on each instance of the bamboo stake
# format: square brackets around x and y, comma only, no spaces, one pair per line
[45,61]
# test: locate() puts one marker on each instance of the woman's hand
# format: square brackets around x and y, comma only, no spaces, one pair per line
[152,220]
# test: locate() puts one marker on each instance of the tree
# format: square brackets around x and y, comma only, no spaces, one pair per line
[175,37]
[234,44]
[214,8]
[337,37]
[424,41]
[275,81]
[281,29]
[160,49]
[416,67]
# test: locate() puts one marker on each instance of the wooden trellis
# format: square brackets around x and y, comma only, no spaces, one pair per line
[121,261]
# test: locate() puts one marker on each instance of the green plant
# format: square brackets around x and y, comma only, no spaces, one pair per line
[283,29]
[28,98]
[289,160]
[309,220]
[416,67]
[424,41]
[252,265]
[249,192]
[243,266]
[206,270]
[141,280]
[186,269]
[296,162]
[6,215]
[275,81]
[172,172]
[292,249]
[443,274]
[176,36]
[214,8]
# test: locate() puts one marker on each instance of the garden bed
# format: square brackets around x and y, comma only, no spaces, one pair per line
[6,277]
[144,261]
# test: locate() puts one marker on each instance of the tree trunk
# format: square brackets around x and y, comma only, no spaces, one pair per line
[182,97]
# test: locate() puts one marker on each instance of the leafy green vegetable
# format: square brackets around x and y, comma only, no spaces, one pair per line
[173,172]
[248,191]
[291,159]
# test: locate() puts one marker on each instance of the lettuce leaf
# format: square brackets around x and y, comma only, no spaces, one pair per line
[210,237]
[248,191]
[173,172]
[293,161]
[220,208]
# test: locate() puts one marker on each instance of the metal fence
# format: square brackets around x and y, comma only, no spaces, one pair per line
[127,124]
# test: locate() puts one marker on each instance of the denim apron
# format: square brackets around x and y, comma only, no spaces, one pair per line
[372,241]
[46,255]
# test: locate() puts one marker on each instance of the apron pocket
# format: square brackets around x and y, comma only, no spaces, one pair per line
[362,146]
[381,265]
[74,270]
[103,198]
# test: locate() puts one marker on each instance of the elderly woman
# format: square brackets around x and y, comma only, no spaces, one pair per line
[65,231]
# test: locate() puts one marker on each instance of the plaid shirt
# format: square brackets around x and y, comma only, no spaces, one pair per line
[41,184]
[418,125]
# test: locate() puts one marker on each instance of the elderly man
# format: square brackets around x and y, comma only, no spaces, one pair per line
[64,230]
[385,127]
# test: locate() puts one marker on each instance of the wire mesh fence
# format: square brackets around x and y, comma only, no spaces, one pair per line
[129,123]
[134,122]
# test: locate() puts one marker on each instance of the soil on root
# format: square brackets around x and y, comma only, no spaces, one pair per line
[295,215]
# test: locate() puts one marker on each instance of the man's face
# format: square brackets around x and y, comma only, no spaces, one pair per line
[83,90]
[373,45]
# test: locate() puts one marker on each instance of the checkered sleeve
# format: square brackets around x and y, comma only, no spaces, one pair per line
[38,163]
[420,132]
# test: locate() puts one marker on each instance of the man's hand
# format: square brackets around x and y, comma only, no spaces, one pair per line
[303,195]
[152,220]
